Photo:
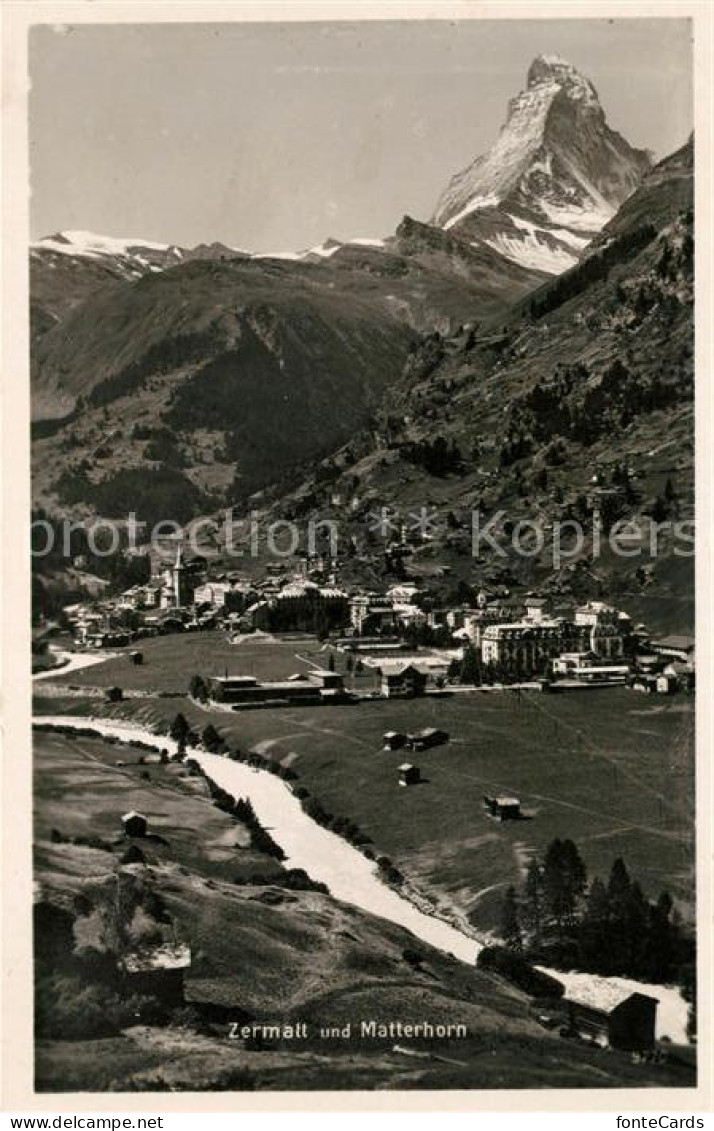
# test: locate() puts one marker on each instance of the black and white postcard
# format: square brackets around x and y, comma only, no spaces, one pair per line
[349,467]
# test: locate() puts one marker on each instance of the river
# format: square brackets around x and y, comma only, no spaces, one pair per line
[354,879]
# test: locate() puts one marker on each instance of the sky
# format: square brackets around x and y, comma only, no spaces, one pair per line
[272,137]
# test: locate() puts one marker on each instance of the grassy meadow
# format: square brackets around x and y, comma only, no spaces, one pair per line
[609,768]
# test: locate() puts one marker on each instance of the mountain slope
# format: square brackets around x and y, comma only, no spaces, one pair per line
[228,369]
[217,369]
[553,178]
[247,365]
[68,267]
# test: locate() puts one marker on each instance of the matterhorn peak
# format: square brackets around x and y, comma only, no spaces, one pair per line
[553,178]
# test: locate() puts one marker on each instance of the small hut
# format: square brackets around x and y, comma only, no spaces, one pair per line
[394,740]
[612,1015]
[157,971]
[135,824]
[424,739]
[503,808]
[409,775]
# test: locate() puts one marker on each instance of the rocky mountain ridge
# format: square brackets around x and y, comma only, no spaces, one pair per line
[584,391]
[226,371]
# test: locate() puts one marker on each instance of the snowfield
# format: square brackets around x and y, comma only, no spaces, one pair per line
[95,246]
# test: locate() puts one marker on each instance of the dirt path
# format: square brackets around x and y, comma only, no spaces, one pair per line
[73,662]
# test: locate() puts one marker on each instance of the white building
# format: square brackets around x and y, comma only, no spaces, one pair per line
[607,628]
[213,593]
[587,667]
[524,643]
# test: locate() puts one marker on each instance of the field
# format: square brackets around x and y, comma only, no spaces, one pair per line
[609,768]
[169,662]
[83,786]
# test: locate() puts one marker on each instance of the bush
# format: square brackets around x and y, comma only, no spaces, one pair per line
[68,1009]
[500,960]
[413,957]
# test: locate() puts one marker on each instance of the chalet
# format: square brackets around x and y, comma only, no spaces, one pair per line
[538,609]
[611,1015]
[135,824]
[503,808]
[406,615]
[403,683]
[682,673]
[675,648]
[409,774]
[157,971]
[424,739]
[394,740]
[665,684]
[450,619]
[641,681]
[405,593]
[325,679]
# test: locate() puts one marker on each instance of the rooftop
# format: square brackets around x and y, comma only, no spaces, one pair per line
[168,956]
[600,993]
[685,643]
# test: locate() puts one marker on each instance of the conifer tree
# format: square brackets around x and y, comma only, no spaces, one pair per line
[532,913]
[594,932]
[510,927]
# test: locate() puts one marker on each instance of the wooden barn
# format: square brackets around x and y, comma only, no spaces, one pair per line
[394,740]
[135,824]
[157,971]
[503,808]
[424,739]
[405,683]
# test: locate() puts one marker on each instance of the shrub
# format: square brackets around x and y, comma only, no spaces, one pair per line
[68,1009]
[500,960]
[413,957]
